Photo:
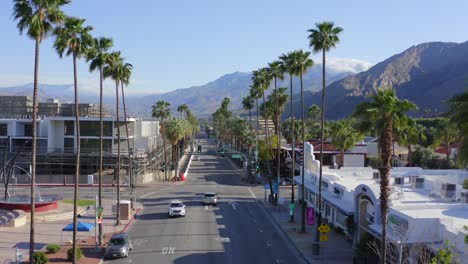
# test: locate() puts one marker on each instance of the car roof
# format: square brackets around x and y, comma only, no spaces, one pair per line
[176,201]
[120,235]
[210,193]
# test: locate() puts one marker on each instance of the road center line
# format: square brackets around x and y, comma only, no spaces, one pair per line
[253,195]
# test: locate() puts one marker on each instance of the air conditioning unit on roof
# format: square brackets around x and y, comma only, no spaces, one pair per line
[464,197]
[448,190]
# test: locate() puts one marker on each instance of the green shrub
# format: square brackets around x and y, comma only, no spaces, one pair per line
[40,258]
[52,248]
[465,184]
[79,254]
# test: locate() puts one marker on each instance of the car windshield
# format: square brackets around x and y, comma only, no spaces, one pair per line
[176,204]
[210,195]
[117,241]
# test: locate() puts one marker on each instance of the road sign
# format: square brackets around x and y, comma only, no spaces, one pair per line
[323,228]
[266,186]
[323,238]
[292,206]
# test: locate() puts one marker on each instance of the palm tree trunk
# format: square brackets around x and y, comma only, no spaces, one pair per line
[117,215]
[78,150]
[101,134]
[278,147]
[410,156]
[268,146]
[130,165]
[293,146]
[303,207]
[341,157]
[33,154]
[384,182]
[164,148]
[256,139]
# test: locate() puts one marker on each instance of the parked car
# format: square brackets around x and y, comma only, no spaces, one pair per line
[210,198]
[119,246]
[176,208]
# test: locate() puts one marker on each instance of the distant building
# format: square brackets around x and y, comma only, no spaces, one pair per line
[15,106]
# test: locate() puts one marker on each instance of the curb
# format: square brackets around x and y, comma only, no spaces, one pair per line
[278,226]
[131,221]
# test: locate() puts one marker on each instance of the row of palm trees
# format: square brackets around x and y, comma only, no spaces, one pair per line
[39,19]
[178,131]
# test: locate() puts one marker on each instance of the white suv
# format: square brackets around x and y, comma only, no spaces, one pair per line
[176,208]
[210,198]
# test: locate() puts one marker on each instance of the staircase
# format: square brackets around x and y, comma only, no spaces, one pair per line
[13,218]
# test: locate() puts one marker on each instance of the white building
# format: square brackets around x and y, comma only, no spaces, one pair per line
[425,206]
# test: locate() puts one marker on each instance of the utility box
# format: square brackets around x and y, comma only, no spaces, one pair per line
[90,179]
[125,210]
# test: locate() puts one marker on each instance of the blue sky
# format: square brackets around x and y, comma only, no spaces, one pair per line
[177,44]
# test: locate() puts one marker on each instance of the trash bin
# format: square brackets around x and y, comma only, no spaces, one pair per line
[90,179]
[125,210]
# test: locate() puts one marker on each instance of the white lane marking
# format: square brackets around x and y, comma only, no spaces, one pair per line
[148,194]
[253,195]
[168,250]
[233,204]
[223,239]
[206,207]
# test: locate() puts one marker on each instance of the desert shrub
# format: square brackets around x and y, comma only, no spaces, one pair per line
[79,254]
[40,258]
[52,248]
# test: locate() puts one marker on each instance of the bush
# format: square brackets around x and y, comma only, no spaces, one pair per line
[52,248]
[79,254]
[40,258]
[465,184]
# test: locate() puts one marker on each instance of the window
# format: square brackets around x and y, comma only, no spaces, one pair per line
[69,127]
[28,131]
[68,145]
[340,218]
[3,130]
[324,184]
[92,145]
[92,128]
[327,209]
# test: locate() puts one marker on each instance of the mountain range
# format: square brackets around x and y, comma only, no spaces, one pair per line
[427,74]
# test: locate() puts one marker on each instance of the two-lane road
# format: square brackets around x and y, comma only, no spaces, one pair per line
[236,231]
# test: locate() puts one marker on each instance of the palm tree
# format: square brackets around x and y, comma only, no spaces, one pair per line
[322,39]
[261,78]
[314,112]
[126,72]
[447,134]
[182,109]
[36,19]
[344,136]
[73,38]
[410,135]
[255,93]
[276,71]
[99,57]
[162,111]
[386,112]
[302,62]
[288,63]
[248,104]
[458,114]
[114,71]
[176,130]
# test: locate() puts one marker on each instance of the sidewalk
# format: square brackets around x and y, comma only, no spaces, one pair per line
[334,251]
[51,232]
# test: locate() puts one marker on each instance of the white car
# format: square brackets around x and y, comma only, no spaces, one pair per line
[176,208]
[210,198]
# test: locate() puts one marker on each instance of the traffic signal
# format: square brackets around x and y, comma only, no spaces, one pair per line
[163,166]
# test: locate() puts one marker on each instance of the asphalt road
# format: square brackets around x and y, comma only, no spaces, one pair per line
[237,230]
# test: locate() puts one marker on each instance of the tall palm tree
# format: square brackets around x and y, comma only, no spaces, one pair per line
[126,72]
[322,39]
[276,71]
[288,62]
[162,111]
[409,135]
[73,38]
[302,62]
[387,113]
[99,57]
[458,114]
[114,71]
[183,109]
[36,19]
[248,104]
[314,112]
[255,93]
[344,135]
[261,78]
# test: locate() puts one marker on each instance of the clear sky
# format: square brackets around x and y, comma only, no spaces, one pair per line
[177,44]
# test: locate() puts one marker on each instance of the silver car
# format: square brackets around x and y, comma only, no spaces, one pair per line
[210,198]
[176,208]
[119,246]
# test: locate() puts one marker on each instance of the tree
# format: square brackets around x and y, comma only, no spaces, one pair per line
[161,110]
[176,130]
[73,38]
[182,109]
[323,38]
[99,57]
[314,112]
[458,114]
[114,71]
[248,104]
[386,112]
[36,19]
[411,134]
[261,79]
[302,62]
[446,134]
[344,136]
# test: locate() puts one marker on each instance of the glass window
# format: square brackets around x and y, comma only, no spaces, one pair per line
[324,185]
[92,128]
[341,218]
[327,210]
[69,127]
[92,145]
[68,144]
[28,131]
[3,129]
